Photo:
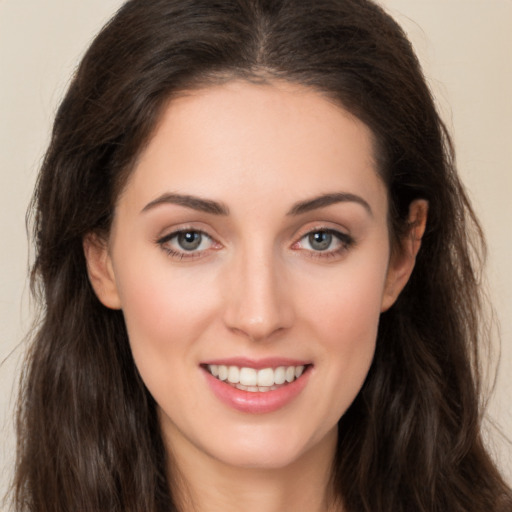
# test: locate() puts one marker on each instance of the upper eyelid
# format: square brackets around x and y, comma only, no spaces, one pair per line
[339,232]
[325,229]
[302,232]
[176,231]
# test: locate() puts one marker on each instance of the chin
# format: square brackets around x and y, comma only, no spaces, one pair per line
[270,458]
[270,448]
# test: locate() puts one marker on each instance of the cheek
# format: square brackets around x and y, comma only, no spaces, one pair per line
[346,304]
[344,318]
[165,316]
[349,332]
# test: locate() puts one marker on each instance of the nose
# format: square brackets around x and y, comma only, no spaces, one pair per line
[258,304]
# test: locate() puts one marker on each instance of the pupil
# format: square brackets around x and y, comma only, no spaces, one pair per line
[189,241]
[320,240]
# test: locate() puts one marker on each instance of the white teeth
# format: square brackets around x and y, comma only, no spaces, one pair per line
[248,376]
[290,374]
[266,377]
[249,379]
[280,375]
[234,374]
[223,372]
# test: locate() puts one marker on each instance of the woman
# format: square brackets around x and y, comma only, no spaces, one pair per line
[259,286]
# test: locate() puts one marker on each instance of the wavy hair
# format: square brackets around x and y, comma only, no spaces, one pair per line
[88,434]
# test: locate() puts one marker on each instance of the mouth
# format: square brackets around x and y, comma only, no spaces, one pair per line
[256,380]
[257,386]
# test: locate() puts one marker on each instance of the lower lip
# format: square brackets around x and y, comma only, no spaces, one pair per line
[257,402]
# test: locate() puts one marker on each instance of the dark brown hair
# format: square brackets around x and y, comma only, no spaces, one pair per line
[88,435]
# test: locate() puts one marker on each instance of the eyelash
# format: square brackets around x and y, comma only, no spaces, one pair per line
[181,255]
[345,241]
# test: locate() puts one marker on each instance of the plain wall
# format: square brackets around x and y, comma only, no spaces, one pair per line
[466,50]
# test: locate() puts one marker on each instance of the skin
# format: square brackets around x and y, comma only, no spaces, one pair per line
[256,287]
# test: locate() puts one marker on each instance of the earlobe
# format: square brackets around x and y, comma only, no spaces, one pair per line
[100,271]
[402,262]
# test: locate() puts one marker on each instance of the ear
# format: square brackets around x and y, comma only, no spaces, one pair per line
[100,270]
[403,259]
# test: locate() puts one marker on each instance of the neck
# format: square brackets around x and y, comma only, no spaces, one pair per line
[204,484]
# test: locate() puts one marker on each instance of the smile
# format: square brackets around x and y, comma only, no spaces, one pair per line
[252,380]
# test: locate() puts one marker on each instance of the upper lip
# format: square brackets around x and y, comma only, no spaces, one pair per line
[257,364]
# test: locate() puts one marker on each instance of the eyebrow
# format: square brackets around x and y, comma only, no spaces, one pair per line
[193,202]
[327,200]
[216,208]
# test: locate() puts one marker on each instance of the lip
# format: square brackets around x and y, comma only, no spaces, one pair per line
[256,402]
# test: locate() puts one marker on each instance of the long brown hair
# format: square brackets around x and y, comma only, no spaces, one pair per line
[88,434]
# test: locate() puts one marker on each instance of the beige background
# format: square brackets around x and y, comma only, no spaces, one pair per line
[464,45]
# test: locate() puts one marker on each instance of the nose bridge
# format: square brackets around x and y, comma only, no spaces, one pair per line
[257,304]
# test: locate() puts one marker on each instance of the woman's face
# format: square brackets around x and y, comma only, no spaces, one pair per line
[249,253]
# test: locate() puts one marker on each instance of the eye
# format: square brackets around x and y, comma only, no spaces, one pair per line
[189,240]
[186,243]
[324,242]
[320,240]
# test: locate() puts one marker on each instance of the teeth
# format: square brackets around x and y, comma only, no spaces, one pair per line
[280,374]
[223,372]
[249,379]
[266,377]
[234,374]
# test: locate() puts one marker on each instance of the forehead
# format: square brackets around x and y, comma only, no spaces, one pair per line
[240,141]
